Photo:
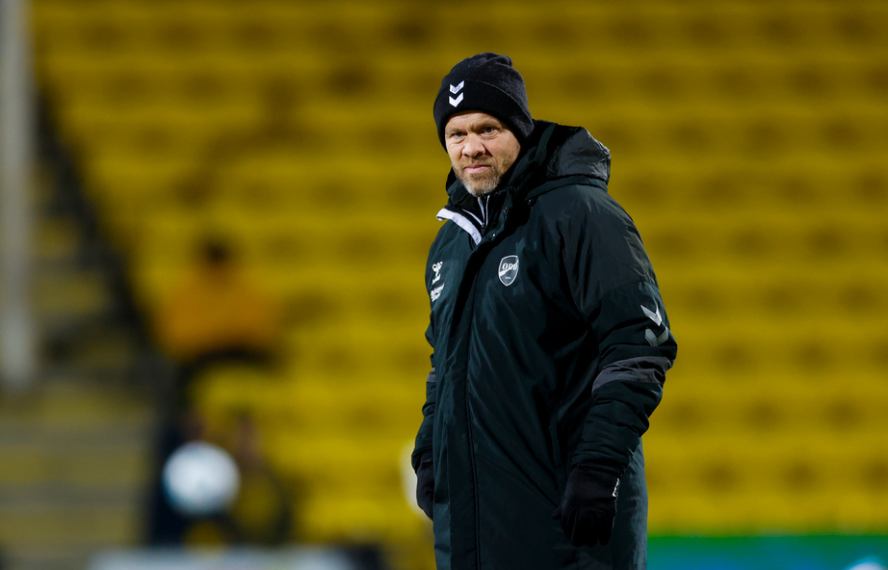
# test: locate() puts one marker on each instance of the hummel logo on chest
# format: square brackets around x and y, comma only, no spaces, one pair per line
[435,292]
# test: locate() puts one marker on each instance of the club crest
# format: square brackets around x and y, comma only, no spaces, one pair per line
[508,269]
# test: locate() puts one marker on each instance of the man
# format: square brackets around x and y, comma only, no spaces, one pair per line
[551,343]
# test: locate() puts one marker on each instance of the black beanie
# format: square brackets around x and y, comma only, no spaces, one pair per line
[488,83]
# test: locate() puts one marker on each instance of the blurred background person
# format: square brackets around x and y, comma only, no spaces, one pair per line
[216,314]
[260,512]
[215,317]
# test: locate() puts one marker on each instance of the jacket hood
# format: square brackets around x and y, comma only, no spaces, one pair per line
[572,151]
[552,154]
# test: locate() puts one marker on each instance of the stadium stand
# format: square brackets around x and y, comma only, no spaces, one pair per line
[75,446]
[748,144]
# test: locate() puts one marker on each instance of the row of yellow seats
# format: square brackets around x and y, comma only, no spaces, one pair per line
[721,186]
[336,457]
[818,360]
[269,216]
[238,77]
[785,118]
[344,277]
[650,24]
[753,512]
[772,284]
[822,358]
[686,376]
[706,292]
[258,214]
[781,249]
[322,230]
[703,403]
[642,184]
[704,305]
[785,275]
[686,186]
[706,451]
[390,408]
[335,283]
[722,461]
[208,145]
[273,174]
[266,219]
[730,476]
[331,518]
[297,249]
[302,402]
[117,146]
[756,349]
[738,242]
[692,400]
[775,119]
[205,137]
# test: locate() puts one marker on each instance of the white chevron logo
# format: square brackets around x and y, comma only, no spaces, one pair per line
[655,340]
[656,317]
[650,335]
[455,88]
[456,101]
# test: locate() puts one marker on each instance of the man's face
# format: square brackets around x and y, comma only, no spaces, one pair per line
[481,150]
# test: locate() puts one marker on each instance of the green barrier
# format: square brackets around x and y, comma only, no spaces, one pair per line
[832,552]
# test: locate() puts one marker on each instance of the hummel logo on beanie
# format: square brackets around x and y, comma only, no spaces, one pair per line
[488,83]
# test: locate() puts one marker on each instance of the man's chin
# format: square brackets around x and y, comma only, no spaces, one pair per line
[479,192]
[481,187]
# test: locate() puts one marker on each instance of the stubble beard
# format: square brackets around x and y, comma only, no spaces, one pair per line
[481,184]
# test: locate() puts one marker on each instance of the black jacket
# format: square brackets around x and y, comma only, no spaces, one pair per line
[551,346]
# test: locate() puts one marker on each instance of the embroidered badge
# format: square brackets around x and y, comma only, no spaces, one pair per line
[508,269]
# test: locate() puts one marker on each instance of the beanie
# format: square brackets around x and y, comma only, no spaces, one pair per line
[488,83]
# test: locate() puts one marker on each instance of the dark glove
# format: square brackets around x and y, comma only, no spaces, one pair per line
[425,484]
[589,505]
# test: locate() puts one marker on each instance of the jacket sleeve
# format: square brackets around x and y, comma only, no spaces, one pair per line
[423,442]
[614,287]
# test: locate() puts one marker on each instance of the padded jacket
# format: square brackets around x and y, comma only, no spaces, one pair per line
[550,348]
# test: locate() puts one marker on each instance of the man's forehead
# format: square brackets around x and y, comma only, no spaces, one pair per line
[469,117]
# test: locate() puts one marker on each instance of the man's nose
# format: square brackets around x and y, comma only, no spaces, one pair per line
[473,147]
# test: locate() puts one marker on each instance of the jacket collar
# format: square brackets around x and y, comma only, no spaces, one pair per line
[554,156]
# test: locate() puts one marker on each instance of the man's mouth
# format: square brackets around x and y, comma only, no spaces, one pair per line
[476,168]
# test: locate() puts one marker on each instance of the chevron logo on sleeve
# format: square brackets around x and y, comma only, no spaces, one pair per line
[654,316]
[655,340]
[650,335]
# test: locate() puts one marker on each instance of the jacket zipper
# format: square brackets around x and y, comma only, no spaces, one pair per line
[471,438]
[485,213]
[469,433]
